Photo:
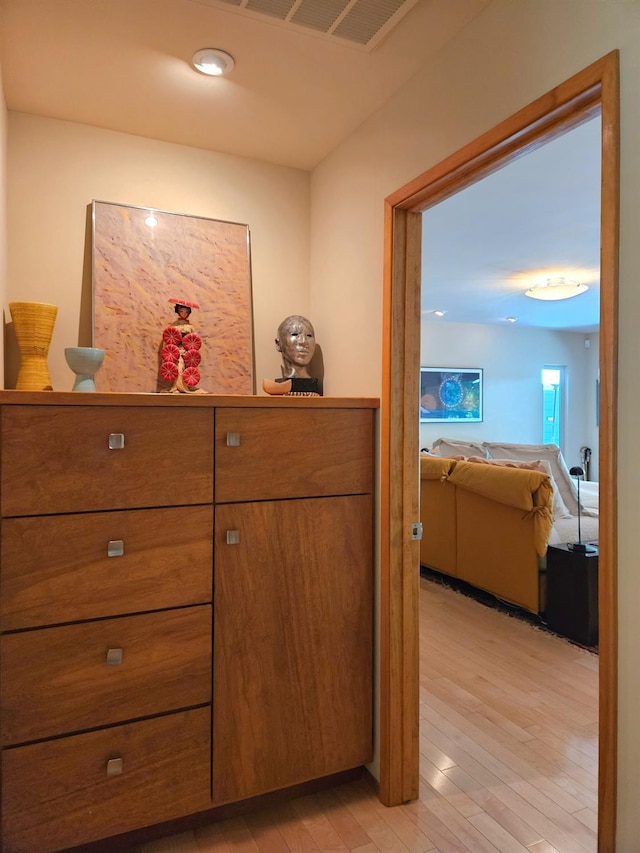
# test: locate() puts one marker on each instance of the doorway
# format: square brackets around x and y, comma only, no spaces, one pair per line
[534,221]
[591,91]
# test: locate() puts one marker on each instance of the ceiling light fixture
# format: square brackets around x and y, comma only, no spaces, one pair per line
[439,313]
[556,288]
[511,319]
[212,61]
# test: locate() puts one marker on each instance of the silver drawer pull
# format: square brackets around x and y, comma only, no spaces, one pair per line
[115,548]
[116,441]
[233,537]
[114,657]
[233,439]
[115,766]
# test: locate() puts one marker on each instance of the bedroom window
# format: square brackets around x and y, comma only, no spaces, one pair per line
[552,404]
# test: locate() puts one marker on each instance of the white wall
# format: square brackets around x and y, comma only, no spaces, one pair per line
[512,359]
[57,168]
[510,54]
[3,217]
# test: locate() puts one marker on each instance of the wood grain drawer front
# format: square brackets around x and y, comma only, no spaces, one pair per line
[58,569]
[293,453]
[67,679]
[59,794]
[57,459]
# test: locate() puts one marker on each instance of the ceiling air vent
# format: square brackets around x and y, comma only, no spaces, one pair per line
[365,19]
[360,22]
[318,16]
[276,8]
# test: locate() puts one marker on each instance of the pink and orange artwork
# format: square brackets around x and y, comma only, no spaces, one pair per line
[142,258]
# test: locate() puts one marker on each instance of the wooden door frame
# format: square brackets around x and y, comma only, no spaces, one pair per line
[593,90]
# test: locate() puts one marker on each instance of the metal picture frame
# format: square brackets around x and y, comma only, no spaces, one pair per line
[451,394]
[144,260]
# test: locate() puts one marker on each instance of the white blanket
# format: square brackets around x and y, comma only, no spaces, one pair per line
[589,495]
[566,529]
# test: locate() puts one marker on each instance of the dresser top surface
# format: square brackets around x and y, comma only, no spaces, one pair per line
[69,398]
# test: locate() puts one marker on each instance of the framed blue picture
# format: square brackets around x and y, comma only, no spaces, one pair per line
[450,394]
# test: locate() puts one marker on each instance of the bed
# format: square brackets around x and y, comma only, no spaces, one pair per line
[485,538]
[565,487]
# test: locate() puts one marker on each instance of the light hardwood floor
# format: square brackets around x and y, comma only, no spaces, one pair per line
[508,754]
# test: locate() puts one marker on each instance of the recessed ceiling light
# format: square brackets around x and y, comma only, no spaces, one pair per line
[511,319]
[439,313]
[213,61]
[556,288]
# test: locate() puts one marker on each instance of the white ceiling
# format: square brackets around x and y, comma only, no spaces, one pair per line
[295,93]
[298,89]
[534,219]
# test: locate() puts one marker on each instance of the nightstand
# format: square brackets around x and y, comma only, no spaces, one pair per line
[572,593]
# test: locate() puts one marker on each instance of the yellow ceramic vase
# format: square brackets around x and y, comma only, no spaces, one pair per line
[33,327]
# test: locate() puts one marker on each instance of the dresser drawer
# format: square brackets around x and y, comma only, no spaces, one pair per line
[73,681]
[59,793]
[287,453]
[57,459]
[57,568]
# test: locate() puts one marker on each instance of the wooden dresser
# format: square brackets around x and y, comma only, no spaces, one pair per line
[179,579]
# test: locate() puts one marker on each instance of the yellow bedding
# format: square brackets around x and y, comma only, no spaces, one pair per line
[530,491]
[435,467]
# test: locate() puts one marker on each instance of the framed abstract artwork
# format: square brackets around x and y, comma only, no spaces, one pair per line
[450,394]
[146,263]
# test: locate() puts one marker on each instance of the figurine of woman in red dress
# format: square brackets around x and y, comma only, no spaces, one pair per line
[180,355]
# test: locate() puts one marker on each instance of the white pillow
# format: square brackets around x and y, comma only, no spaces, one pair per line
[549,452]
[559,507]
[458,447]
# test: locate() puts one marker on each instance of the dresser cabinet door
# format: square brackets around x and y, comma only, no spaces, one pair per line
[59,459]
[64,568]
[264,454]
[292,642]
[74,790]
[98,673]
